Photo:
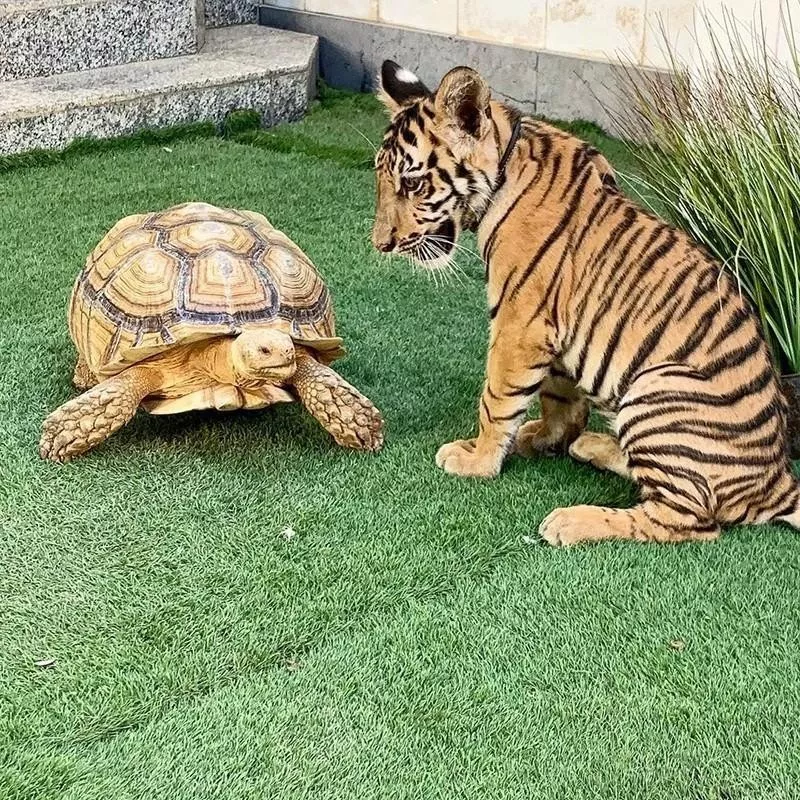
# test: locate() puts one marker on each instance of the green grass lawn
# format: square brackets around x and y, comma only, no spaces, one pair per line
[408,642]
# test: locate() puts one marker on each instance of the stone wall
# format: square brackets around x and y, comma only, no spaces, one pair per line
[593,29]
[551,84]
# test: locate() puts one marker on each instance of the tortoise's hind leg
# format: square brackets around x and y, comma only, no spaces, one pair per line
[92,417]
[83,378]
[342,410]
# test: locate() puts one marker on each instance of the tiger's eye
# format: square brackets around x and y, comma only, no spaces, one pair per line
[412,184]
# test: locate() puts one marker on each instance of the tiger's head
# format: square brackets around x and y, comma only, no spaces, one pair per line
[438,163]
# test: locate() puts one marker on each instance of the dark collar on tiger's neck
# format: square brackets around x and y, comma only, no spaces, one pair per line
[516,130]
[499,181]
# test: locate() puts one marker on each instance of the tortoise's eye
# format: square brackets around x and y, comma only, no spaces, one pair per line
[411,185]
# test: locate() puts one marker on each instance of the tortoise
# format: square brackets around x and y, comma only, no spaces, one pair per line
[199,307]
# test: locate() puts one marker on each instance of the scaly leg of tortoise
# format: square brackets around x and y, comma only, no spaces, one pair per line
[92,417]
[342,410]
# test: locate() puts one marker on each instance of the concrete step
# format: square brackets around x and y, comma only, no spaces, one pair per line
[245,66]
[49,37]
[230,12]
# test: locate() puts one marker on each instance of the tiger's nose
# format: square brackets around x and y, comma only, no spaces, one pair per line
[385,240]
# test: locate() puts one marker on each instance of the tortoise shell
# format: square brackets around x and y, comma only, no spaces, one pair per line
[194,272]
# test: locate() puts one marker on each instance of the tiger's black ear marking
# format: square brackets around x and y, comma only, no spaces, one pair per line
[400,87]
[463,98]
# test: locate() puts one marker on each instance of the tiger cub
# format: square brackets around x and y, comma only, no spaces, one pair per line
[591,301]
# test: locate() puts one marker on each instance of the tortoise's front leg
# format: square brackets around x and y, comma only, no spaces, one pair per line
[342,410]
[92,417]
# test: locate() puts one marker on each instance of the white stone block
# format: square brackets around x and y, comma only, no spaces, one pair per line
[358,9]
[605,29]
[517,22]
[440,16]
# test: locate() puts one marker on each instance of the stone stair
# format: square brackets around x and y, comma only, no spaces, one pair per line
[102,68]
[48,37]
[230,12]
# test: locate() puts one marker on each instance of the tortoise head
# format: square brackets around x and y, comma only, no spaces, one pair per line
[264,355]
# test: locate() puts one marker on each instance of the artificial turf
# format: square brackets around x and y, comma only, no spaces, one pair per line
[409,641]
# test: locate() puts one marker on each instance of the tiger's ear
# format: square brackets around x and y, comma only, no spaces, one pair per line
[399,87]
[462,99]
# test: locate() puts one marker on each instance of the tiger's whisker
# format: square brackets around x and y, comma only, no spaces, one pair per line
[455,245]
[365,138]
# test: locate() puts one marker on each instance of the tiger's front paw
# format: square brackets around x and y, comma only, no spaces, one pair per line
[462,458]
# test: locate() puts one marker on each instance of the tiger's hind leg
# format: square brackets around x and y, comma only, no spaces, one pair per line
[793,517]
[565,411]
[663,442]
[653,520]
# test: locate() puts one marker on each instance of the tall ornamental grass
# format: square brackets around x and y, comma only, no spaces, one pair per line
[719,149]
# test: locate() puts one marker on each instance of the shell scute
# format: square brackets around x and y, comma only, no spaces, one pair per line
[194,238]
